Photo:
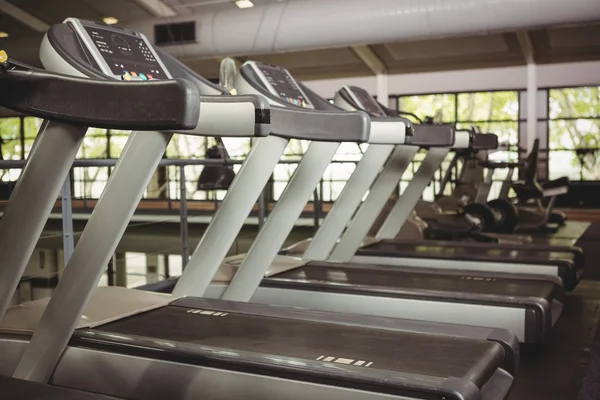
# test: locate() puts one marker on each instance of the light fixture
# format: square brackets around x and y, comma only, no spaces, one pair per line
[244,3]
[110,20]
[3,34]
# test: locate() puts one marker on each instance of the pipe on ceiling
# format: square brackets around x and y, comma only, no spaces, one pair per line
[295,25]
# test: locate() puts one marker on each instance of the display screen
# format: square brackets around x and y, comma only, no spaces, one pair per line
[284,84]
[126,54]
[367,102]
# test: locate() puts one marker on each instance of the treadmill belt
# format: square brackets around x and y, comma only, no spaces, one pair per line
[429,355]
[16,389]
[429,249]
[393,278]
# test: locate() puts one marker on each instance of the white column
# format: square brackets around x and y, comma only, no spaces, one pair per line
[532,95]
[382,89]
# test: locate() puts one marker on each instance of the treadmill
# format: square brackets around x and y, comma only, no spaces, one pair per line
[141,345]
[564,261]
[528,306]
[38,93]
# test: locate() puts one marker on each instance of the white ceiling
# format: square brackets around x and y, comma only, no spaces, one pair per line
[200,6]
[551,45]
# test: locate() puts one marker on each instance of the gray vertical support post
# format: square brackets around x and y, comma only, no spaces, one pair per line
[281,221]
[370,209]
[96,245]
[32,200]
[348,201]
[67,220]
[167,266]
[262,209]
[120,265]
[110,271]
[507,184]
[316,210]
[183,218]
[153,263]
[532,111]
[230,217]
[412,194]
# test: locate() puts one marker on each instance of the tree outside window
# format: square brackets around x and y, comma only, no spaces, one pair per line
[574,133]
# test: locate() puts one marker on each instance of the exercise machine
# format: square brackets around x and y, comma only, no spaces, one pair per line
[527,306]
[532,215]
[141,345]
[333,243]
[26,89]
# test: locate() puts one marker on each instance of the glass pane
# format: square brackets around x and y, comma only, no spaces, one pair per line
[334,190]
[295,148]
[117,143]
[185,146]
[32,126]
[94,145]
[574,102]
[339,171]
[237,148]
[10,131]
[567,163]
[441,107]
[350,152]
[488,106]
[283,172]
[574,134]
[89,181]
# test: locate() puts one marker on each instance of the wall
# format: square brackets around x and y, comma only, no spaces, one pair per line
[550,75]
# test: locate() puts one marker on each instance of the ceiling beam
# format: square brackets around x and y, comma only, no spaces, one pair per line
[370,59]
[527,48]
[158,8]
[24,17]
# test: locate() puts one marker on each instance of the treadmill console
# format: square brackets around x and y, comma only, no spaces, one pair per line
[365,101]
[281,83]
[120,53]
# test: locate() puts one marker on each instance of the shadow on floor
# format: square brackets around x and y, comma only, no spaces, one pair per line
[555,371]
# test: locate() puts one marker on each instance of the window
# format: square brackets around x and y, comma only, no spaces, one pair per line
[574,133]
[492,112]
[116,142]
[440,107]
[32,126]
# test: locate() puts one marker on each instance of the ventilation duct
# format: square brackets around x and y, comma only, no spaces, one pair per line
[314,24]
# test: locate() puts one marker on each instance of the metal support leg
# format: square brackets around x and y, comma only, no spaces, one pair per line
[32,201]
[153,262]
[370,209]
[316,210]
[183,218]
[67,221]
[97,243]
[230,217]
[110,270]
[532,112]
[120,263]
[262,209]
[485,187]
[348,201]
[281,221]
[167,266]
[411,195]
[507,184]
